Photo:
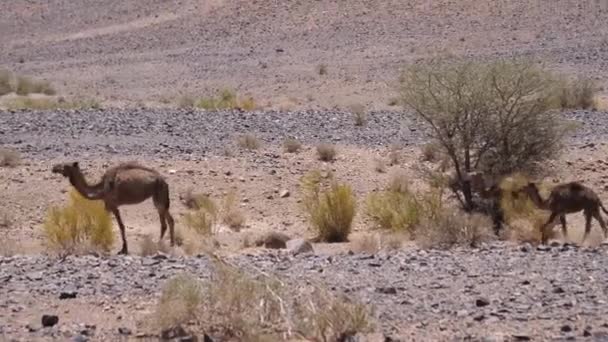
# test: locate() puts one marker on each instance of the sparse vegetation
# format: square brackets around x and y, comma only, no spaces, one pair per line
[50,103]
[204,216]
[495,117]
[578,93]
[394,155]
[9,157]
[292,145]
[359,114]
[431,152]
[148,247]
[257,307]
[226,99]
[326,152]
[453,227]
[186,101]
[395,210]
[23,85]
[180,301]
[80,225]
[230,213]
[379,165]
[322,69]
[249,141]
[330,207]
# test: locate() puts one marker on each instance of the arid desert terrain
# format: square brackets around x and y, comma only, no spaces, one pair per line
[310,71]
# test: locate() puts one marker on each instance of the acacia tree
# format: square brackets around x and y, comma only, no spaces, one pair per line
[495,117]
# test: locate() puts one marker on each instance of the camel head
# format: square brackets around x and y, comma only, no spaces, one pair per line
[66,169]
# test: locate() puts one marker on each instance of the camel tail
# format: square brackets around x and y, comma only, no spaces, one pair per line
[162,193]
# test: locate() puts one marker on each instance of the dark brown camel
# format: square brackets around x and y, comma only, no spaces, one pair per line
[123,184]
[568,198]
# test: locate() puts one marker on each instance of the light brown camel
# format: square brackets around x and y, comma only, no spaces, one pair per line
[568,198]
[123,184]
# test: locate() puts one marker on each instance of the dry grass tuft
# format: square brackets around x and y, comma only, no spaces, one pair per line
[186,101]
[394,155]
[26,85]
[257,307]
[398,182]
[359,114]
[578,93]
[379,165]
[6,82]
[204,216]
[292,145]
[452,227]
[225,100]
[326,152]
[249,141]
[431,152]
[322,69]
[79,226]
[9,157]
[330,207]
[230,213]
[180,301]
[397,211]
[50,103]
[148,247]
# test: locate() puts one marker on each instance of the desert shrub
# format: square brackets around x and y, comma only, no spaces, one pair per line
[322,69]
[249,141]
[326,152]
[398,211]
[379,165]
[226,99]
[292,145]
[148,247]
[577,94]
[496,117]
[26,85]
[359,114]
[180,301]
[9,157]
[6,82]
[431,152]
[230,213]
[452,227]
[186,101]
[260,307]
[204,216]
[394,155]
[48,103]
[330,207]
[398,181]
[80,224]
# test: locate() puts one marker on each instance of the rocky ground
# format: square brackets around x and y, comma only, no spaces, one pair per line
[499,292]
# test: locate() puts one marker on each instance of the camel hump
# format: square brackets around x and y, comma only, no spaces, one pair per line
[577,187]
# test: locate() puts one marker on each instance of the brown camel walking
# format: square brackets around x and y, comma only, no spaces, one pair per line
[565,199]
[123,184]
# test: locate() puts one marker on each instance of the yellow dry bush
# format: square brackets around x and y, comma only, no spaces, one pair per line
[231,214]
[204,216]
[330,211]
[398,211]
[81,223]
[179,302]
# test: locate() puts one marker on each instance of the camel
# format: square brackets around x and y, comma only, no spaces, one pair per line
[568,198]
[123,184]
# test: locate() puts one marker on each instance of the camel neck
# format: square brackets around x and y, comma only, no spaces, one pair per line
[535,196]
[88,191]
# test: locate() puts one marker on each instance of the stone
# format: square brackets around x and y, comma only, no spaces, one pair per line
[284,193]
[49,320]
[386,290]
[68,294]
[297,246]
[124,331]
[272,240]
[173,333]
[481,302]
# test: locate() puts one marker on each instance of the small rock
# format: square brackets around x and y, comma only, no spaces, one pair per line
[79,338]
[481,302]
[273,240]
[386,290]
[566,328]
[49,320]
[521,337]
[207,338]
[284,193]
[124,331]
[173,333]
[67,295]
[172,171]
[297,246]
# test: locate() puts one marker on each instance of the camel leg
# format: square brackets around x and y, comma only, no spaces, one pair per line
[171,227]
[562,219]
[543,228]
[121,225]
[163,223]
[599,219]
[588,215]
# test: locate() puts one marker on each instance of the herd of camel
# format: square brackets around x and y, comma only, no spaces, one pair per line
[131,183]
